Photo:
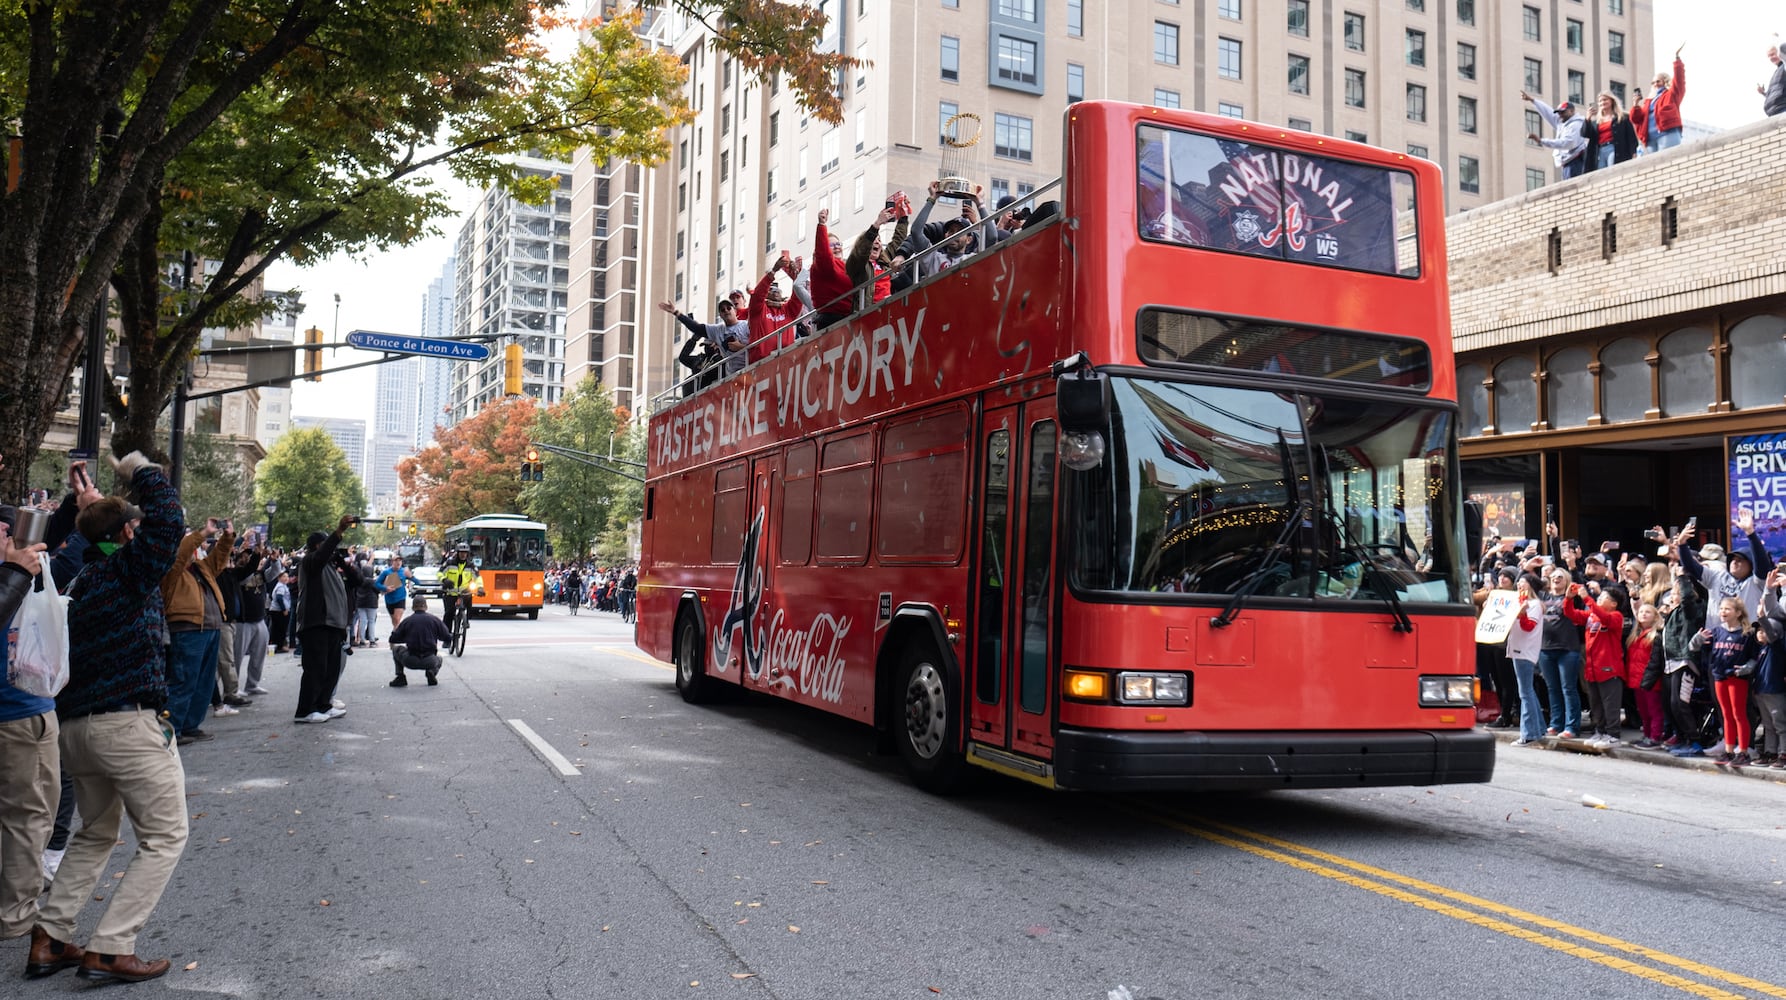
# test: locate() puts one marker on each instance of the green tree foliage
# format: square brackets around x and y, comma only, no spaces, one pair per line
[250,129]
[577,499]
[212,483]
[307,474]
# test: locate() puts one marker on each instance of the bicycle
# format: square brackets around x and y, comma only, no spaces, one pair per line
[574,599]
[461,623]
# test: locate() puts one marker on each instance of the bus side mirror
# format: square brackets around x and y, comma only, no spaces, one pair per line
[1082,404]
[1473,531]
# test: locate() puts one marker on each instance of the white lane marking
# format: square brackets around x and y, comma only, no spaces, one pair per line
[553,757]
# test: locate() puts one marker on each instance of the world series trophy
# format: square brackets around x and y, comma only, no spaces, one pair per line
[961,133]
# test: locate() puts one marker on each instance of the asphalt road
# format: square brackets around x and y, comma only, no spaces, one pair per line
[422,847]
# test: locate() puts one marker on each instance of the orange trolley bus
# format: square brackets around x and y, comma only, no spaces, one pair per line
[509,551]
[1159,493]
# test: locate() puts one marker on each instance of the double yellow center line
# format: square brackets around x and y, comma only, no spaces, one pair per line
[1601,949]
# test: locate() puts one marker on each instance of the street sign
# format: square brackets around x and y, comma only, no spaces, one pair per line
[457,350]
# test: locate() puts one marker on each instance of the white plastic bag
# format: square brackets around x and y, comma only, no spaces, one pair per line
[38,659]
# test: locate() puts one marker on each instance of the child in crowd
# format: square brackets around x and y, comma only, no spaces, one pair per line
[1728,650]
[1770,690]
[1647,689]
[1603,667]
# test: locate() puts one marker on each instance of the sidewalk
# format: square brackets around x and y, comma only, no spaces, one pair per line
[1625,751]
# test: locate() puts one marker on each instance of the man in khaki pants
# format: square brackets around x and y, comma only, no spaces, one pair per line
[29,772]
[116,741]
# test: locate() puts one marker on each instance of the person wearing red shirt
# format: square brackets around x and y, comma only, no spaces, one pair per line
[772,313]
[830,283]
[1637,670]
[1659,124]
[1603,667]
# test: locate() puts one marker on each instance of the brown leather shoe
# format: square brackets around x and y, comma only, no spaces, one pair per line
[120,968]
[50,956]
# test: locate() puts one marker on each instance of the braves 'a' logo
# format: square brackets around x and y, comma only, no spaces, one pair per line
[741,614]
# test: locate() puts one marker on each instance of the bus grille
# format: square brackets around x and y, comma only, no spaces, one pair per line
[507,581]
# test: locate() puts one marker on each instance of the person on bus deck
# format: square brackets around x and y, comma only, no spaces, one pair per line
[869,258]
[1659,127]
[772,313]
[702,359]
[830,283]
[957,235]
[1569,146]
[1616,138]
[730,335]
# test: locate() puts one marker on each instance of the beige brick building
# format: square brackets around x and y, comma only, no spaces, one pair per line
[1437,77]
[1615,330]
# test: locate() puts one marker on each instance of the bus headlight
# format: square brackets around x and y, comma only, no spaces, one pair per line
[507,596]
[1086,685]
[1442,692]
[1152,689]
[1081,450]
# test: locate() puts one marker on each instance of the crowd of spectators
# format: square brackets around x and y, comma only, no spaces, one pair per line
[752,325]
[585,584]
[1687,649]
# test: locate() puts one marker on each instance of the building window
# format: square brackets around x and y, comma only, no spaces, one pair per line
[1534,126]
[681,243]
[725,165]
[1419,5]
[1001,189]
[1572,34]
[945,111]
[1012,137]
[1302,124]
[1227,110]
[1165,43]
[769,186]
[1416,103]
[1075,82]
[774,128]
[1076,18]
[1227,58]
[1618,90]
[725,119]
[861,129]
[1578,86]
[1021,10]
[1355,31]
[1534,178]
[1163,98]
[1356,136]
[1298,18]
[1466,61]
[859,188]
[1469,175]
[1414,149]
[1533,23]
[1016,60]
[1615,7]
[1466,115]
[1535,76]
[828,151]
[1229,9]
[1615,48]
[803,166]
[1466,11]
[952,4]
[1355,88]
[1299,74]
[951,57]
[1416,48]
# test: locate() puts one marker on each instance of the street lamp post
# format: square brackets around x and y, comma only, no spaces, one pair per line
[272,506]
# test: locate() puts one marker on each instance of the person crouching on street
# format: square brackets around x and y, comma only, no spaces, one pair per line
[415,644]
[117,741]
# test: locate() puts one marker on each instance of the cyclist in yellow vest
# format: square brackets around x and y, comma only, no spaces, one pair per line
[458,579]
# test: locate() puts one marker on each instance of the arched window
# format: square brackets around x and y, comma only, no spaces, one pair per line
[1569,391]
[1516,398]
[1472,399]
[1758,362]
[1688,386]
[1624,381]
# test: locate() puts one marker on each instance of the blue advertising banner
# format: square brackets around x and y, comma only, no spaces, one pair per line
[1758,485]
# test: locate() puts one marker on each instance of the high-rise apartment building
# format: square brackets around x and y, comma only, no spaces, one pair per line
[348,435]
[511,266]
[393,430]
[1435,78]
[434,376]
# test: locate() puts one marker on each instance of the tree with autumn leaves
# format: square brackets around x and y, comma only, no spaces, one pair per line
[472,468]
[247,130]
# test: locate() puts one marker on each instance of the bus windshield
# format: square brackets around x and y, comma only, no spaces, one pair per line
[507,548]
[1212,490]
[1238,197]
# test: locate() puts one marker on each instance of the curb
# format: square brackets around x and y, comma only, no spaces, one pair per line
[1627,752]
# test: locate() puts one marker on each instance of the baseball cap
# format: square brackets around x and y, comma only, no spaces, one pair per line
[105,517]
[1565,106]
[1006,202]
[1711,551]
[1597,558]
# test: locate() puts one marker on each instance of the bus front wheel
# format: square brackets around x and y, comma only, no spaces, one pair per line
[691,674]
[927,726]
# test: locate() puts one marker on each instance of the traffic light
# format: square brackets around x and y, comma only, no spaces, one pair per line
[412,530]
[390,524]
[313,355]
[532,469]
[511,370]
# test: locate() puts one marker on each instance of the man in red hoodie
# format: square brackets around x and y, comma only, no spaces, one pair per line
[830,282]
[1658,119]
[771,313]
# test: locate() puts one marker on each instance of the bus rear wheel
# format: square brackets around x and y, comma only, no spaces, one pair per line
[691,673]
[926,724]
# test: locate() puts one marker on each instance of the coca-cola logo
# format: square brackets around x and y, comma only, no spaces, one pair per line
[808,661]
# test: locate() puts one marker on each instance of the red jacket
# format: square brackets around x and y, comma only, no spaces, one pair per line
[1605,653]
[1664,107]
[1637,659]
[829,281]
[766,319]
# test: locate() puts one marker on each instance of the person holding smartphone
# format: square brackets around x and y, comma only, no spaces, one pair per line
[324,616]
[195,620]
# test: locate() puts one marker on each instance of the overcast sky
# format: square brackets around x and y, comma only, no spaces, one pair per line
[1725,42]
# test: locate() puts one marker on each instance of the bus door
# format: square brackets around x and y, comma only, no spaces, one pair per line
[764,512]
[1011,687]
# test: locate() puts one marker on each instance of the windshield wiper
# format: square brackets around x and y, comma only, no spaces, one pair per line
[1272,557]
[1378,578]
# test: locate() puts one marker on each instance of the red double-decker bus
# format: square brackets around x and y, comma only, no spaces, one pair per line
[1159,493]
